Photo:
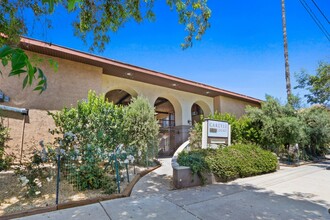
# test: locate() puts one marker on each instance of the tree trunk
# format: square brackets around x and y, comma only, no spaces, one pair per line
[286,55]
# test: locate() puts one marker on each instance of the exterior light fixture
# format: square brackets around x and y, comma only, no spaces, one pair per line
[6,99]
[174,84]
[128,74]
[207,92]
[3,97]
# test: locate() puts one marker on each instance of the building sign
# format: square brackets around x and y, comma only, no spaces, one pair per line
[215,133]
[217,129]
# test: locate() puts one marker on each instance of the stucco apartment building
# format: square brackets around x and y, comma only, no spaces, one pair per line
[178,102]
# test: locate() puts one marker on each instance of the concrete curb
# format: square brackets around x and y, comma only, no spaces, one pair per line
[305,163]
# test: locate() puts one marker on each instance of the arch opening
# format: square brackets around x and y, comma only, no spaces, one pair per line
[165,114]
[119,97]
[197,113]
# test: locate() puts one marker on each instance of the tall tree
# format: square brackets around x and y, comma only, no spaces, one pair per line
[286,55]
[317,85]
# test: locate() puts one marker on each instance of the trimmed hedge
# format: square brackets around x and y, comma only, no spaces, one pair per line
[230,162]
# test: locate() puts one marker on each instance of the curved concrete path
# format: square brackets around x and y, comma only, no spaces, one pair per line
[290,193]
[158,181]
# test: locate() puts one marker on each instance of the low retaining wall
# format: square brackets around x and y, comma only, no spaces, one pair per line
[183,177]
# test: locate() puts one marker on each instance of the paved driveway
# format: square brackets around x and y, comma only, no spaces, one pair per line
[291,193]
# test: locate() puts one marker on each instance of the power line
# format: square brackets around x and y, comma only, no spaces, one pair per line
[315,19]
[320,11]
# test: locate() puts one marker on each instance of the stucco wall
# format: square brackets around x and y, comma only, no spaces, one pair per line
[230,105]
[70,83]
[35,131]
[181,101]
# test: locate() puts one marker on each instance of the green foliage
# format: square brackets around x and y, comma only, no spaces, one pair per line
[108,184]
[88,138]
[316,128]
[32,174]
[278,125]
[231,162]
[94,122]
[281,127]
[5,159]
[278,128]
[96,19]
[90,133]
[317,85]
[243,130]
[21,64]
[195,159]
[241,161]
[195,136]
[248,132]
[141,128]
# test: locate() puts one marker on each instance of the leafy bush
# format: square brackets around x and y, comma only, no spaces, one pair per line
[231,162]
[141,129]
[195,159]
[281,127]
[86,136]
[5,159]
[95,122]
[278,125]
[243,130]
[241,161]
[316,129]
[33,173]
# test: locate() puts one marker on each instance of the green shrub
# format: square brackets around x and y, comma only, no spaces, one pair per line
[243,130]
[241,161]
[316,141]
[32,174]
[86,135]
[278,124]
[231,162]
[5,160]
[195,159]
[141,129]
[109,185]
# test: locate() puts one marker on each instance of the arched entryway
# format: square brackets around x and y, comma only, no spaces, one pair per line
[118,97]
[165,114]
[197,113]
[198,110]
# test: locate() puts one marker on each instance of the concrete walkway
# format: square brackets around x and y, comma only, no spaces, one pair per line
[159,181]
[291,193]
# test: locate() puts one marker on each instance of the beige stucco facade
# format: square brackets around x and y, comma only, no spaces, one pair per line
[72,82]
[181,101]
[236,107]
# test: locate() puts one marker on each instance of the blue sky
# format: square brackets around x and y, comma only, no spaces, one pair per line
[241,52]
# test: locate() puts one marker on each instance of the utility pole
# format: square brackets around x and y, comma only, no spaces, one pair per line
[286,55]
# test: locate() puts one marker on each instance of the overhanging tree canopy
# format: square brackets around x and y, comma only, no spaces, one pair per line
[94,19]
